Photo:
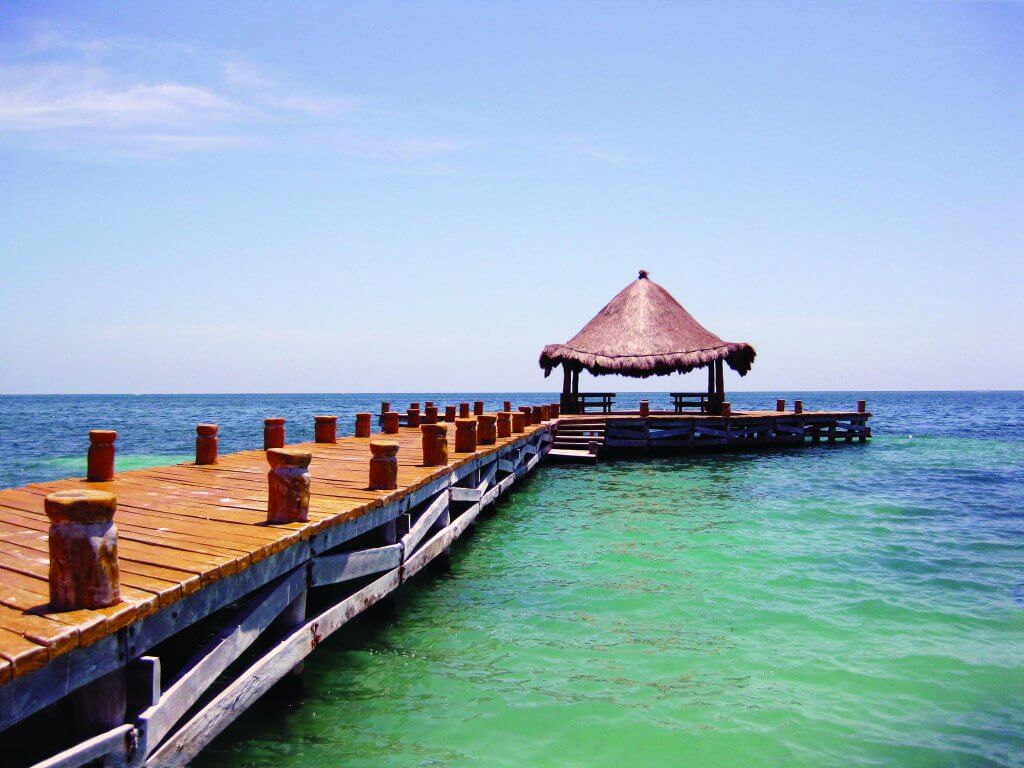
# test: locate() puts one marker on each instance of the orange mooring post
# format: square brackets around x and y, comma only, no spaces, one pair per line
[100,457]
[507,406]
[363,424]
[325,429]
[478,407]
[385,406]
[545,412]
[435,444]
[449,414]
[463,410]
[206,443]
[527,412]
[726,409]
[273,433]
[645,407]
[391,423]
[288,497]
[428,404]
[504,424]
[413,417]
[465,435]
[536,417]
[518,421]
[862,406]
[798,406]
[780,405]
[555,410]
[430,414]
[383,465]
[486,434]
[83,550]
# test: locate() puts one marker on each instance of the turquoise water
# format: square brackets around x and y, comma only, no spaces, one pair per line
[846,605]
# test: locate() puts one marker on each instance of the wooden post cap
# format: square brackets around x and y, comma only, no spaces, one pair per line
[364,424]
[486,432]
[798,406]
[527,412]
[435,444]
[430,414]
[274,421]
[102,436]
[82,541]
[465,435]
[325,429]
[383,465]
[206,443]
[556,410]
[478,407]
[384,448]
[449,414]
[206,430]
[536,416]
[273,433]
[507,405]
[412,417]
[862,406]
[645,407]
[518,422]
[503,425]
[385,406]
[463,410]
[391,423]
[100,456]
[288,485]
[726,409]
[428,404]
[780,405]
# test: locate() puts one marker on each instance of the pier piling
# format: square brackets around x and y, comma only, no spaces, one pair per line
[412,416]
[503,425]
[465,435]
[364,424]
[478,407]
[83,550]
[325,429]
[383,465]
[780,405]
[273,433]
[288,478]
[100,457]
[486,433]
[798,406]
[435,444]
[206,444]
[391,423]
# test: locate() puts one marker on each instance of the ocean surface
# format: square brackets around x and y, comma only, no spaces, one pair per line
[852,605]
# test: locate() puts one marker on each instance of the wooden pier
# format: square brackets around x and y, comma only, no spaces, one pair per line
[194,544]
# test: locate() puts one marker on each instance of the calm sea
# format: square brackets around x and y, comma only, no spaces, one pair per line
[833,606]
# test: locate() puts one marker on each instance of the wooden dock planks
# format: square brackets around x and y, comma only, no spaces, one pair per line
[181,527]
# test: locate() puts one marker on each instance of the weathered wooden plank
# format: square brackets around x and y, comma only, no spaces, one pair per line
[332,569]
[117,741]
[425,521]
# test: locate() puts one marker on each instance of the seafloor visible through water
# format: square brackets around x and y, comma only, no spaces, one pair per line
[845,605]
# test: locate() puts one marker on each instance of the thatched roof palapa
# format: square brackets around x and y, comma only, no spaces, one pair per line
[644,332]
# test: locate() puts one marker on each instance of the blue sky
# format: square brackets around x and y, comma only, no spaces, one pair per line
[362,197]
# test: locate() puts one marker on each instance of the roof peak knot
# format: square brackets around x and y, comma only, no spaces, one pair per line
[643,274]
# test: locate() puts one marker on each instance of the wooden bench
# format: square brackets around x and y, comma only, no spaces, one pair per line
[685,400]
[604,400]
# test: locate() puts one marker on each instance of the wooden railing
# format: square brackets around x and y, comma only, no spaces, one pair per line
[602,401]
[689,400]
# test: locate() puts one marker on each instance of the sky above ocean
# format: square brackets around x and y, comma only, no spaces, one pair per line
[362,197]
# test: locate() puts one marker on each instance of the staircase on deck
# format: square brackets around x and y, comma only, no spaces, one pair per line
[578,438]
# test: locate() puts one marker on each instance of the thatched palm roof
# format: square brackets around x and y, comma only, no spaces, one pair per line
[643,332]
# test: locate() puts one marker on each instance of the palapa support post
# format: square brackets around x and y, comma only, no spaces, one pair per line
[645,407]
[503,426]
[288,492]
[780,405]
[798,406]
[100,457]
[449,414]
[364,424]
[412,417]
[726,409]
[527,412]
[383,465]
[862,406]
[83,550]
[273,433]
[465,435]
[206,443]
[536,415]
[486,433]
[518,421]
[478,407]
[435,444]
[463,410]
[325,429]
[507,406]
[430,414]
[391,423]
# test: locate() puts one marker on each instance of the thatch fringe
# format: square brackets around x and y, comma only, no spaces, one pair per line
[738,356]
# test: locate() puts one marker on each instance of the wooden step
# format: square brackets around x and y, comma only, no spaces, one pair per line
[571,455]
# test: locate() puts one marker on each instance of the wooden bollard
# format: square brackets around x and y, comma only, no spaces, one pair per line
[428,404]
[486,433]
[536,417]
[288,492]
[435,444]
[862,406]
[465,435]
[507,406]
[206,443]
[478,407]
[364,424]
[504,424]
[383,465]
[325,429]
[798,406]
[527,412]
[414,405]
[545,412]
[273,433]
[556,410]
[100,457]
[391,423]
[385,406]
[463,410]
[412,417]
[449,414]
[430,414]
[726,409]
[83,550]
[780,405]
[518,421]
[645,407]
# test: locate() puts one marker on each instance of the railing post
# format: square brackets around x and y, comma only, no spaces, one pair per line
[100,457]
[364,424]
[383,465]
[273,433]
[435,444]
[465,435]
[288,491]
[325,429]
[206,444]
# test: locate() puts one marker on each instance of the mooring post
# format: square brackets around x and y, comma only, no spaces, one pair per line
[486,433]
[273,433]
[206,443]
[478,407]
[428,404]
[798,406]
[363,424]
[527,412]
[435,444]
[465,435]
[518,421]
[430,414]
[84,575]
[545,412]
[385,406]
[504,424]
[391,423]
[288,493]
[325,429]
[449,414]
[726,409]
[780,405]
[463,410]
[556,410]
[412,417]
[862,406]
[507,405]
[535,415]
[383,465]
[645,407]
[100,457]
